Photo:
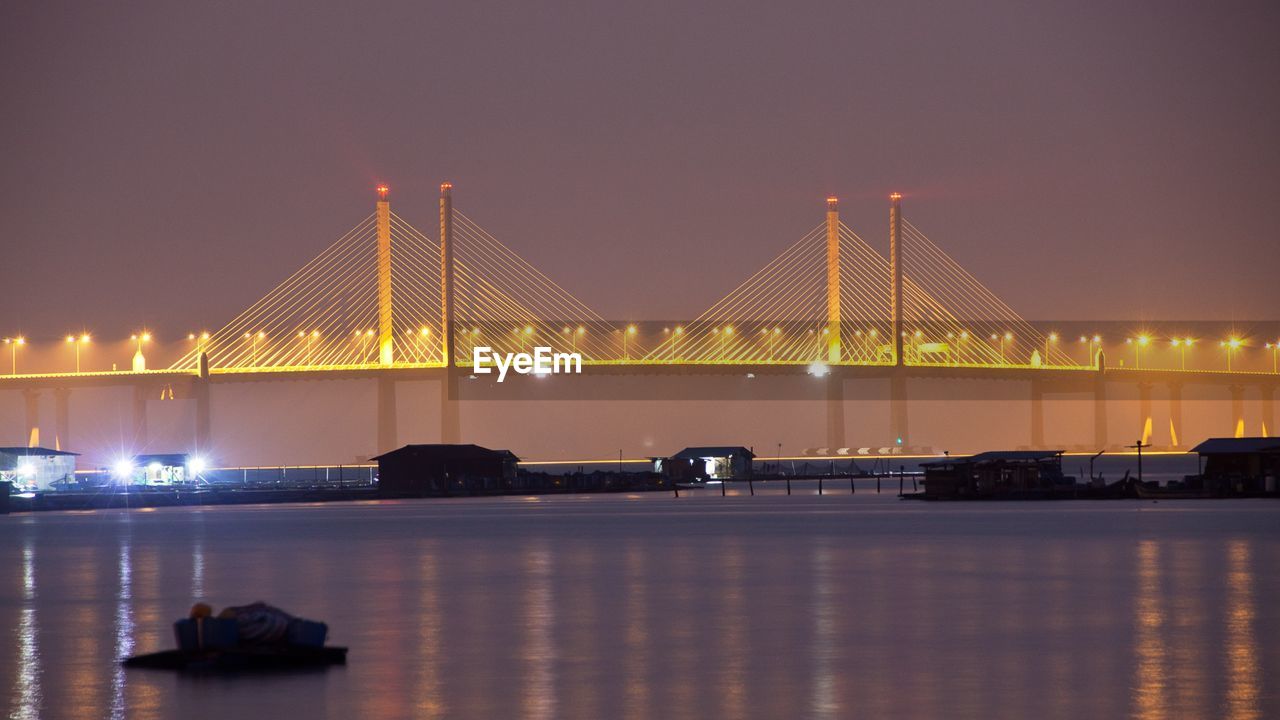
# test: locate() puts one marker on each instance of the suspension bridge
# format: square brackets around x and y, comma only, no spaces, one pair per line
[389,302]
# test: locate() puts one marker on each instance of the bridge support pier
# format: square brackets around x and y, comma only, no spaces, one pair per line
[140,416]
[450,422]
[1175,414]
[1037,414]
[1237,411]
[204,424]
[898,407]
[835,411]
[61,418]
[1268,410]
[387,430]
[32,398]
[1100,413]
[1144,411]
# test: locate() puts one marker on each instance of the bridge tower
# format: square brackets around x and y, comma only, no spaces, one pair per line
[446,273]
[897,378]
[386,338]
[450,422]
[833,280]
[895,268]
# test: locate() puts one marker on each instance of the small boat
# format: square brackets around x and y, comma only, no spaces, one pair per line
[249,658]
[247,638]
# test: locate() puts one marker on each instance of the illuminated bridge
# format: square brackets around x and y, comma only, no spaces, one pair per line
[386,294]
[388,301]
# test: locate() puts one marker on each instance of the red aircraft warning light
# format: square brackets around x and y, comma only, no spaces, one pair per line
[382,192]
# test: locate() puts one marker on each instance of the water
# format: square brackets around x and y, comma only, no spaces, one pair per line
[648,606]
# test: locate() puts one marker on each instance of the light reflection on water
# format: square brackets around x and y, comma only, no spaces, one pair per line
[1242,652]
[27,681]
[650,607]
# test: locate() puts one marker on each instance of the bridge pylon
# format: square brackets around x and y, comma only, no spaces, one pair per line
[450,420]
[386,337]
[446,273]
[833,280]
[895,270]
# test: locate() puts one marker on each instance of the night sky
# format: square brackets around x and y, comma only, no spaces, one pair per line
[166,164]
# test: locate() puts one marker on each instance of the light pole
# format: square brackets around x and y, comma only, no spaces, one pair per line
[675,339]
[1182,344]
[1231,345]
[1052,338]
[77,342]
[424,337]
[1138,343]
[140,362]
[626,353]
[1275,349]
[13,344]
[253,339]
[1003,339]
[309,338]
[199,340]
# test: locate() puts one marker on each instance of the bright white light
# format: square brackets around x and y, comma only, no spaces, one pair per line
[123,469]
[196,465]
[818,369]
[26,470]
[154,467]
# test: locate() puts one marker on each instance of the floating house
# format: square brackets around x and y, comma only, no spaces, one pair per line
[724,462]
[161,469]
[1239,466]
[997,474]
[29,469]
[420,470]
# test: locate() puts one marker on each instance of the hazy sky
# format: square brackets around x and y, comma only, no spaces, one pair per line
[166,164]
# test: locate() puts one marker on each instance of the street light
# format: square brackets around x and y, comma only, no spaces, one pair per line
[77,342]
[1003,339]
[310,338]
[13,344]
[253,339]
[1052,338]
[200,340]
[631,330]
[140,338]
[1231,345]
[1275,350]
[1182,344]
[1138,343]
[140,362]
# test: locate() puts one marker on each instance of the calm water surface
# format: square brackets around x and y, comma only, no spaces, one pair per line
[651,607]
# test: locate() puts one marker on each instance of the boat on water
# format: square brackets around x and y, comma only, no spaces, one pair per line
[241,659]
[246,638]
